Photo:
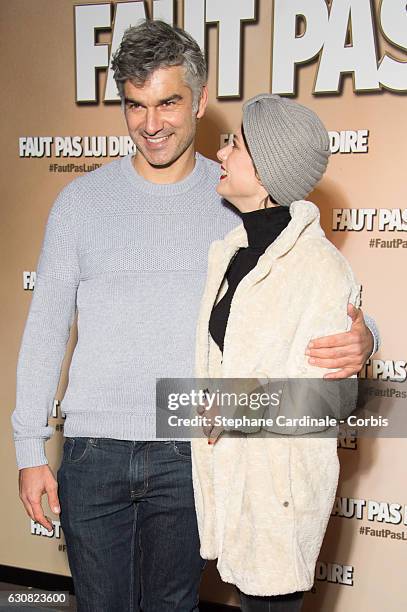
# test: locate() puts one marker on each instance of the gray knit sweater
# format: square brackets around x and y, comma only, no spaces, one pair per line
[131,257]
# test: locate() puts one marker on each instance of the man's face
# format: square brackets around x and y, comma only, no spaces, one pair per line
[159,116]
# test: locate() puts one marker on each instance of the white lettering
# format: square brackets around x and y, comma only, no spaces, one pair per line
[289,49]
[358,58]
[88,55]
[229,16]
[393,17]
[127,13]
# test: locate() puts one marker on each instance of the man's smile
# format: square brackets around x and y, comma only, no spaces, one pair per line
[156,142]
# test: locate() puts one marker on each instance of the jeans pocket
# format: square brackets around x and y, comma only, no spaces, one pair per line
[78,449]
[182,449]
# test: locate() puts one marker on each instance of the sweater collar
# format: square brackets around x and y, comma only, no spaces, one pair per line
[304,220]
[167,189]
[263,226]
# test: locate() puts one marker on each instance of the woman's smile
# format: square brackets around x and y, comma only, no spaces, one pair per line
[224,173]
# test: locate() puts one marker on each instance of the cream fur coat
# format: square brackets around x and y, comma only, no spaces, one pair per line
[263,504]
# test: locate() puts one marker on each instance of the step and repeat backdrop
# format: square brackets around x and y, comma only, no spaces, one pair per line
[346,59]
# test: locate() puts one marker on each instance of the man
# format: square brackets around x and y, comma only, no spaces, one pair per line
[127,246]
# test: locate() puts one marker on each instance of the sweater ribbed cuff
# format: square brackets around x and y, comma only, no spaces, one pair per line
[30,452]
[371,324]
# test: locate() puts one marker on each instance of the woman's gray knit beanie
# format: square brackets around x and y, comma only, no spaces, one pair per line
[288,144]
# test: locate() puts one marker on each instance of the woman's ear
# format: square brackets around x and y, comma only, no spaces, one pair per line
[257,176]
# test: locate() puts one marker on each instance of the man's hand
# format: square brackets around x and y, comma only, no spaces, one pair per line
[348,351]
[213,432]
[33,483]
[210,429]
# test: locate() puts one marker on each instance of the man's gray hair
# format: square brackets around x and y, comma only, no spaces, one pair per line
[155,44]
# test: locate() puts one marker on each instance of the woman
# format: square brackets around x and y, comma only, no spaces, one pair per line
[273,283]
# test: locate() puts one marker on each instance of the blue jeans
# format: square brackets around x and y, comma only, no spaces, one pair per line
[128,516]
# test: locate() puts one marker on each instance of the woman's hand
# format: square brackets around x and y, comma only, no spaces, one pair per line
[348,351]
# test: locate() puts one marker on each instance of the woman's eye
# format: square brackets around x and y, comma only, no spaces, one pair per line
[232,142]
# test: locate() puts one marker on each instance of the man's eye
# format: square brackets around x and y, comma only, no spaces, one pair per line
[169,103]
[133,106]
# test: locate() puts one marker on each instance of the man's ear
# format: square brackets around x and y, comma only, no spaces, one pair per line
[203,102]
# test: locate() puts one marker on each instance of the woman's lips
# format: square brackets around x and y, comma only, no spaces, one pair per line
[224,175]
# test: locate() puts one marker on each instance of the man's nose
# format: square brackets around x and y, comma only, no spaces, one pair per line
[153,122]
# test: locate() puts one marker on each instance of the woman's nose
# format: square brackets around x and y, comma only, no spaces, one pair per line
[223,153]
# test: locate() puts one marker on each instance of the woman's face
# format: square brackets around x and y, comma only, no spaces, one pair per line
[238,183]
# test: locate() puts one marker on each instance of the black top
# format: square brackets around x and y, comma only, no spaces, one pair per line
[262,226]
